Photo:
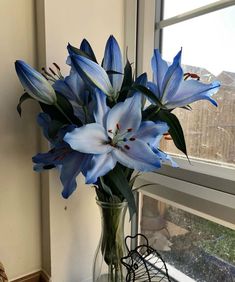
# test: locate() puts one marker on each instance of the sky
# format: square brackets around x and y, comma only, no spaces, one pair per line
[208,41]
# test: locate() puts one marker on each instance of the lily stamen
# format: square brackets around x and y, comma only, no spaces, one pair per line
[48,75]
[191,75]
[58,70]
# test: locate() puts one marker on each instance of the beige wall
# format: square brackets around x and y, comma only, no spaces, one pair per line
[19,187]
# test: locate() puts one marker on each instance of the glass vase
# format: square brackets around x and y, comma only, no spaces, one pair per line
[111,248]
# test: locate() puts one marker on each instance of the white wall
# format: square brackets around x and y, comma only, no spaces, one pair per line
[19,187]
[75,230]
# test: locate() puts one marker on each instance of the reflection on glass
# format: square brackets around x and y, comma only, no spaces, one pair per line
[208,50]
[201,249]
[174,8]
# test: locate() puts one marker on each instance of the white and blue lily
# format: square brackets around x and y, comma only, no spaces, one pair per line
[170,87]
[107,78]
[35,84]
[117,136]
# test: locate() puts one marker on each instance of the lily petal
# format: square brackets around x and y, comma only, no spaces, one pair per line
[113,62]
[90,138]
[70,170]
[72,87]
[86,47]
[92,73]
[165,158]
[126,115]
[160,68]
[44,120]
[55,156]
[153,87]
[141,79]
[149,131]
[172,79]
[138,156]
[101,109]
[191,91]
[100,165]
[35,84]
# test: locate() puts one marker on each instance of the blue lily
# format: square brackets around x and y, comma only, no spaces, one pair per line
[70,162]
[78,94]
[35,84]
[117,136]
[92,73]
[170,87]
[101,77]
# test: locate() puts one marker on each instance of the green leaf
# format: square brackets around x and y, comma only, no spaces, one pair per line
[113,72]
[128,76]
[144,90]
[127,82]
[105,187]
[117,179]
[67,108]
[175,130]
[150,112]
[53,128]
[132,181]
[144,185]
[23,98]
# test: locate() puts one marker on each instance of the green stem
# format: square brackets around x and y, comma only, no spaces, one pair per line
[85,113]
[153,114]
[63,113]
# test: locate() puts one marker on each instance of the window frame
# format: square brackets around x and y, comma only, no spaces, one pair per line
[210,185]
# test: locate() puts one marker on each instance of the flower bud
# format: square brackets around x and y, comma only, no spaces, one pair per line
[35,84]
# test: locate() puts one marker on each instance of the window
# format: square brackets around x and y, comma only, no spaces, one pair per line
[199,194]
[199,248]
[207,51]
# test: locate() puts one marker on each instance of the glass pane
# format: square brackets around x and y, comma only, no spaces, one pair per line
[208,50]
[201,249]
[174,8]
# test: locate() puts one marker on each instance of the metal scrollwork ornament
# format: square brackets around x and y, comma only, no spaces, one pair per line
[144,264]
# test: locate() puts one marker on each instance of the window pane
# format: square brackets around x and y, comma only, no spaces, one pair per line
[201,249]
[174,8]
[208,49]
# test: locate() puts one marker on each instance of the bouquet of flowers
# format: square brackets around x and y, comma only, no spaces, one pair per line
[103,122]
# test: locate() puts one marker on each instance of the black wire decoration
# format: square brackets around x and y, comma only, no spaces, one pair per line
[144,264]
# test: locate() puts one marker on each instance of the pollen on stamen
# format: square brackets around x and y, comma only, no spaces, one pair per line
[129,129]
[110,131]
[55,64]
[52,71]
[118,126]
[127,147]
[132,139]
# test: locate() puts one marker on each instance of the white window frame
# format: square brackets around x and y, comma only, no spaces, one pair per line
[203,188]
